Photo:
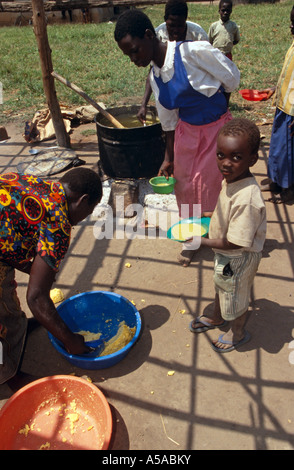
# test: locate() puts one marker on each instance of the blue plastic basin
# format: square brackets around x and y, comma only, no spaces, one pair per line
[97,311]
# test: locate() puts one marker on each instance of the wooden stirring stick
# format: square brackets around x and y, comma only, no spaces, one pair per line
[78,90]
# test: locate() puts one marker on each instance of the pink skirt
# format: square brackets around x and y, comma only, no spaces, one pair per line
[195,168]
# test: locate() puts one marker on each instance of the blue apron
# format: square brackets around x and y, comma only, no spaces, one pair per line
[194,107]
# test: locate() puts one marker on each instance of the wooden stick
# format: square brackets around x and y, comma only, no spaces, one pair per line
[87,98]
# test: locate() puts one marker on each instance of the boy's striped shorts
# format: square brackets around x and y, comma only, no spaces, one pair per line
[233,280]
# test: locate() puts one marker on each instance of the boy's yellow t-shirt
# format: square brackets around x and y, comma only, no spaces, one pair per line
[240,216]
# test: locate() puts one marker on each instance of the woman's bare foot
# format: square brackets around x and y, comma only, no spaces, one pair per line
[286,195]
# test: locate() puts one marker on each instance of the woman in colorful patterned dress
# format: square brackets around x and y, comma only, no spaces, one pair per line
[36,217]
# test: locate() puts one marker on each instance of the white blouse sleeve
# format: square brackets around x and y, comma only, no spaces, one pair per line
[168,118]
[208,68]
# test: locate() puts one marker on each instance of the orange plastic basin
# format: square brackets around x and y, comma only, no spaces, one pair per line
[56,413]
[253,95]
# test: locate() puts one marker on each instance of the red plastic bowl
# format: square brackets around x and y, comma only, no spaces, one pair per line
[61,412]
[253,95]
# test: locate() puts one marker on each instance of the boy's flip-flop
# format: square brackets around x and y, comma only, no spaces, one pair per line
[206,326]
[234,346]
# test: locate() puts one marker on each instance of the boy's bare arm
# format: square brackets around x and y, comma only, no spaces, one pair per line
[219,244]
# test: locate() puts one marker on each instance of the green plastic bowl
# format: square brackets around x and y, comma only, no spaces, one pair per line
[161,185]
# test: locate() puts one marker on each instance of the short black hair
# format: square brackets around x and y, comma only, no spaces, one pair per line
[133,22]
[230,2]
[84,181]
[242,126]
[176,8]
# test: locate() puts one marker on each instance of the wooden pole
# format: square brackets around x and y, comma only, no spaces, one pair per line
[40,30]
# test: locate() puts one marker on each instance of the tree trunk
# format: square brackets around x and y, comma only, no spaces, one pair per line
[40,30]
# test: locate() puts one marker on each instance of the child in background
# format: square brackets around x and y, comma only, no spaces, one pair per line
[176,27]
[236,234]
[224,33]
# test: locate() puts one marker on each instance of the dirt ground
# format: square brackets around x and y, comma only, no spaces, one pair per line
[236,401]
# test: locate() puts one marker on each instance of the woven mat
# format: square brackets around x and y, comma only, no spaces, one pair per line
[49,162]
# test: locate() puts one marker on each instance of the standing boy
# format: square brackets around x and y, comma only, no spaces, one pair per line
[236,234]
[224,33]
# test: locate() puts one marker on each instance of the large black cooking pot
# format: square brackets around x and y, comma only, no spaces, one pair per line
[135,152]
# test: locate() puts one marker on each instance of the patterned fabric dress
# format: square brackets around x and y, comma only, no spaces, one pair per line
[33,221]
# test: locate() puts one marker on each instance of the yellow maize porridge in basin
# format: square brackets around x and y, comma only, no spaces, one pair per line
[61,422]
[188,230]
[120,340]
[123,336]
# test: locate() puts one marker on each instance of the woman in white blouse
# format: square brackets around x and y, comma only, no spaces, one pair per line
[191,82]
[175,28]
